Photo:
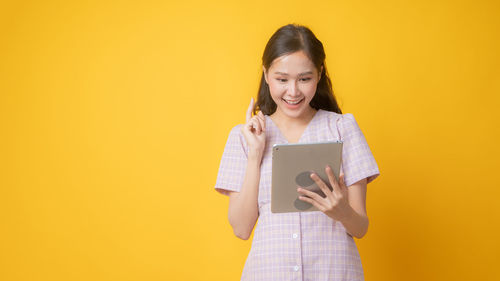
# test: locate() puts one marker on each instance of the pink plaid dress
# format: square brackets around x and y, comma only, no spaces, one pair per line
[303,245]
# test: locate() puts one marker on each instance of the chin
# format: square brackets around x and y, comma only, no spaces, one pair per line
[297,112]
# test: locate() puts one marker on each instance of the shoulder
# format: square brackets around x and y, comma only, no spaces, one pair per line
[348,124]
[236,132]
[236,136]
[342,125]
[345,118]
[348,119]
[236,129]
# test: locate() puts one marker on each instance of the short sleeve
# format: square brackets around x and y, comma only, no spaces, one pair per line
[357,159]
[233,163]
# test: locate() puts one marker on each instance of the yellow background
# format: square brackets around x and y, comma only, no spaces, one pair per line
[114,116]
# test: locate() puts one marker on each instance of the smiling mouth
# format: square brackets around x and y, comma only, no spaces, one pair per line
[290,102]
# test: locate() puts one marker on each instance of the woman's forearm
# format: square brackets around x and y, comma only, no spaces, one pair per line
[243,207]
[356,224]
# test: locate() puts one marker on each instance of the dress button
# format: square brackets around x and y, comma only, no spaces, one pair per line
[296,268]
[295,235]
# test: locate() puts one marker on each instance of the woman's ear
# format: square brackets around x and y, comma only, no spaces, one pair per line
[320,72]
[265,74]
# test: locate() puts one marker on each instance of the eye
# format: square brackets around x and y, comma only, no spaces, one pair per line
[284,80]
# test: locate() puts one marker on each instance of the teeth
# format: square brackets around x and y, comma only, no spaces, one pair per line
[292,102]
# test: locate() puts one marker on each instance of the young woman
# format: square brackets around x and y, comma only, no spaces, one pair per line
[297,105]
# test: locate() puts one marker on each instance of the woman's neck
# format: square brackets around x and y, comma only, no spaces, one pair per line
[285,121]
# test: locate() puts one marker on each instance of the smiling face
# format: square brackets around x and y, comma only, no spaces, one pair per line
[292,81]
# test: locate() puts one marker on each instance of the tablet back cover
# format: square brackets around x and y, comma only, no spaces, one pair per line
[292,165]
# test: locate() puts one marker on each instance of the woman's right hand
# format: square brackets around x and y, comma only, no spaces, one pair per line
[254,132]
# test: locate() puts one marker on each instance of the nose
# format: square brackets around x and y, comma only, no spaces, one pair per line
[293,89]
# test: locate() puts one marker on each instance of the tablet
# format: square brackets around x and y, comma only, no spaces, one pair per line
[292,165]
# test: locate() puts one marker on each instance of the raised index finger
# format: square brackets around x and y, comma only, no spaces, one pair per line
[249,110]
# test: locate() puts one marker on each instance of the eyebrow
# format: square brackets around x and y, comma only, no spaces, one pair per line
[301,74]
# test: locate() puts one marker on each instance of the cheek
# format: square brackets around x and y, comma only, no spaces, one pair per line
[276,86]
[277,90]
[309,90]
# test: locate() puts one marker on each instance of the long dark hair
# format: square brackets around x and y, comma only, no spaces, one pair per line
[290,39]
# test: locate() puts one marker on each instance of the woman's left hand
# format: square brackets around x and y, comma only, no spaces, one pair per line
[335,204]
